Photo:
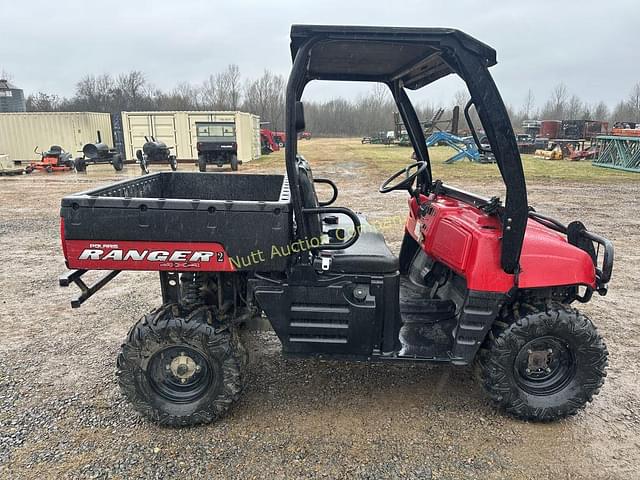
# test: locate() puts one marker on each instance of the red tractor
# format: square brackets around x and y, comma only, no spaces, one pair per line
[56,159]
[267,143]
[477,280]
[280,138]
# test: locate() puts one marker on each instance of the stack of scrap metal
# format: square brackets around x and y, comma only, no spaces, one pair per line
[626,132]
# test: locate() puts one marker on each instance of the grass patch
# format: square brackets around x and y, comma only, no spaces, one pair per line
[388,159]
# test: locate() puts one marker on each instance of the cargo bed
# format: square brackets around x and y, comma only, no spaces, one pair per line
[123,226]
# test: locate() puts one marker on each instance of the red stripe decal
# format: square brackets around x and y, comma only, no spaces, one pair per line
[126,255]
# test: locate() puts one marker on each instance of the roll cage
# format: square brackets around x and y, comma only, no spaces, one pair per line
[410,58]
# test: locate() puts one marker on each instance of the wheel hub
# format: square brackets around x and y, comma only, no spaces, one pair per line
[539,360]
[544,366]
[183,367]
[180,374]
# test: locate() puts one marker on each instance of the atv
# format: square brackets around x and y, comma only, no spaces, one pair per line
[477,280]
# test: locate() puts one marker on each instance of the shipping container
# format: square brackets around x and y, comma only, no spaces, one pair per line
[583,129]
[21,133]
[550,128]
[178,130]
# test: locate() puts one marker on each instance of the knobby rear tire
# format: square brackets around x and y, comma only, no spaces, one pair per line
[167,328]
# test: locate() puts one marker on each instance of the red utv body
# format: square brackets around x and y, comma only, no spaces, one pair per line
[477,280]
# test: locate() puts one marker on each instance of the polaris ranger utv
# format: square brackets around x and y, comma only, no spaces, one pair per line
[477,280]
[216,143]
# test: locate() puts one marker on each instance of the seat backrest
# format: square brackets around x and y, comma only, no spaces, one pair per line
[313,222]
[54,151]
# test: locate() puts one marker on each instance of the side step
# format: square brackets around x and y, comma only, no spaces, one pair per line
[478,314]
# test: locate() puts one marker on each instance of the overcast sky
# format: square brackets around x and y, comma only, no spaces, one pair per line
[592,46]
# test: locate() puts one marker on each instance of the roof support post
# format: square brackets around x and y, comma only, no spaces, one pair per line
[497,126]
[414,130]
[295,86]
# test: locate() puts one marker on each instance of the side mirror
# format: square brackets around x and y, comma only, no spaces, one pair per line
[300,125]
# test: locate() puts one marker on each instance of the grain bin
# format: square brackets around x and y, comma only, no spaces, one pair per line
[20,133]
[11,97]
[178,129]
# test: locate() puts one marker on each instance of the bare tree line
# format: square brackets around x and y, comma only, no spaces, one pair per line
[373,112]
[562,106]
[264,96]
[132,91]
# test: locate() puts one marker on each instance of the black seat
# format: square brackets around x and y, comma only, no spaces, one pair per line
[313,222]
[370,254]
[54,151]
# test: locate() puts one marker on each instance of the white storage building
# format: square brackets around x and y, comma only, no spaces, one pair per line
[21,133]
[178,129]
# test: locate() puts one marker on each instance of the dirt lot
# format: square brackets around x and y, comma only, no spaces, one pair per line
[62,415]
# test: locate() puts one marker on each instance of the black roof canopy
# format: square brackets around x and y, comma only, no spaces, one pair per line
[415,56]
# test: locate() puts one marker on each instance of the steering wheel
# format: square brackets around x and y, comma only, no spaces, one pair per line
[407,182]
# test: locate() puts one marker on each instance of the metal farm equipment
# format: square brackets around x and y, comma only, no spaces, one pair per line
[154,151]
[465,146]
[99,153]
[435,124]
[622,153]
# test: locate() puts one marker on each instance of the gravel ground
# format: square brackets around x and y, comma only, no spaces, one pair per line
[62,415]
